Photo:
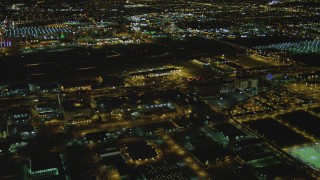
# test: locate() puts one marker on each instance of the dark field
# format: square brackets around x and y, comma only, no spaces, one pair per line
[276,132]
[304,121]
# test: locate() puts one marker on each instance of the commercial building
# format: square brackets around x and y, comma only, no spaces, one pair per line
[212,89]
[246,83]
[48,165]
[76,111]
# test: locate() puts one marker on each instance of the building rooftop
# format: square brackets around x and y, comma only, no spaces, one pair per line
[208,151]
[118,162]
[42,161]
[281,170]
[153,127]
[229,130]
[113,81]
[8,169]
[97,136]
[50,86]
[74,105]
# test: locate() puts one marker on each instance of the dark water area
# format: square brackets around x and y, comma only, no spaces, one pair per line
[310,59]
